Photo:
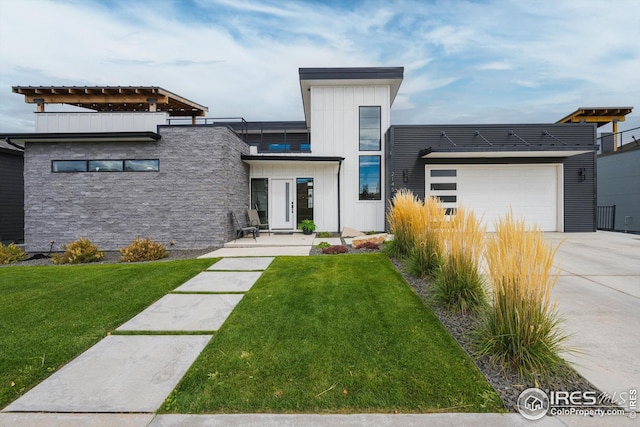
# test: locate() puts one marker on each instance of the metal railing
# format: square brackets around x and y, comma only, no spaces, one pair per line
[629,136]
[606,218]
[274,137]
[238,124]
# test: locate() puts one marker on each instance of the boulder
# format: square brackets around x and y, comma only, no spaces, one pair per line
[375,238]
[351,232]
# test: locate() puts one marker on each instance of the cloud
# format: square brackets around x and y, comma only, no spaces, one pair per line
[465,61]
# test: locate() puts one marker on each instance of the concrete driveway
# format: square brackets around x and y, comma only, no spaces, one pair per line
[598,295]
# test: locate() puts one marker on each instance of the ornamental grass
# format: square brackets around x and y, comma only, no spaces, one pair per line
[458,283]
[428,227]
[403,217]
[520,329]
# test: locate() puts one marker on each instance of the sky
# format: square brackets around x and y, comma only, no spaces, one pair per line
[474,61]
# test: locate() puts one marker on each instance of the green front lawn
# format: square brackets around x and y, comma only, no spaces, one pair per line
[49,315]
[334,334]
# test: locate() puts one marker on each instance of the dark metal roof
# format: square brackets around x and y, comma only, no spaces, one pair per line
[351,73]
[21,138]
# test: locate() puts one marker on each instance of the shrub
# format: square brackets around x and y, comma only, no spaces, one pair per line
[11,253]
[458,283]
[368,245]
[403,217]
[521,327]
[143,250]
[336,249]
[323,245]
[79,252]
[426,255]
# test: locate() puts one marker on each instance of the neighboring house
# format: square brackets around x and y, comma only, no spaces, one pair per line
[619,185]
[11,194]
[144,163]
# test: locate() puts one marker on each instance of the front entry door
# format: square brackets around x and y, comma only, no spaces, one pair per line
[282,206]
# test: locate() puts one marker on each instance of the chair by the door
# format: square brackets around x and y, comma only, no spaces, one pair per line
[242,231]
[254,220]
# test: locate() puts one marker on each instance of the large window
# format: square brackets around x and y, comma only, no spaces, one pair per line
[105,165]
[370,129]
[69,166]
[147,165]
[370,178]
[142,165]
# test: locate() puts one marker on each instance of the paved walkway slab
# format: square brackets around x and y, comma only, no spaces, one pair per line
[118,374]
[39,419]
[185,312]
[242,264]
[221,281]
[256,252]
[352,420]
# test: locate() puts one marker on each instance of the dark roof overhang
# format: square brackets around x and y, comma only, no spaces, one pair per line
[21,138]
[257,159]
[483,153]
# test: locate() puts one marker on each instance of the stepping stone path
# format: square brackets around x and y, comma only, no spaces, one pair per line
[135,373]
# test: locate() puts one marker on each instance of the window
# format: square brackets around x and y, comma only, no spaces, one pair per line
[142,165]
[443,172]
[105,165]
[444,186]
[69,166]
[370,178]
[150,165]
[370,129]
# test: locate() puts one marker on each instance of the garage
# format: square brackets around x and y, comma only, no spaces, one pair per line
[531,191]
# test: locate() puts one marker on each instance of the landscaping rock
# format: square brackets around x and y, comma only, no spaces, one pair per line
[375,238]
[351,232]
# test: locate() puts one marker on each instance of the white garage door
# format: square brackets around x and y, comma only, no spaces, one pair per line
[530,191]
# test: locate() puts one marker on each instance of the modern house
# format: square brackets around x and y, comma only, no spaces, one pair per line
[146,161]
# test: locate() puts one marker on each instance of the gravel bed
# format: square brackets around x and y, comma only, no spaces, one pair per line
[113,257]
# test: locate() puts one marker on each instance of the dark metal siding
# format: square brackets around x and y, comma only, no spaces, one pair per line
[406,141]
[11,196]
[580,196]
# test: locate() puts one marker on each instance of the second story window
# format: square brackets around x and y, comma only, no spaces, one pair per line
[370,129]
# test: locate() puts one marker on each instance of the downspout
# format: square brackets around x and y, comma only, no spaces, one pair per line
[339,214]
[8,141]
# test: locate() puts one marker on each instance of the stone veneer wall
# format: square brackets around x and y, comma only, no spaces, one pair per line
[201,179]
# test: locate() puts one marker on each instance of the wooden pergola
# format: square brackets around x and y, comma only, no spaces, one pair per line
[599,115]
[112,98]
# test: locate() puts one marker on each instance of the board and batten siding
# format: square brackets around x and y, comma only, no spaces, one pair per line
[325,188]
[335,132]
[406,141]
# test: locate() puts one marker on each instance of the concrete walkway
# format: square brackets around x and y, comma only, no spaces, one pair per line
[598,294]
[135,373]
